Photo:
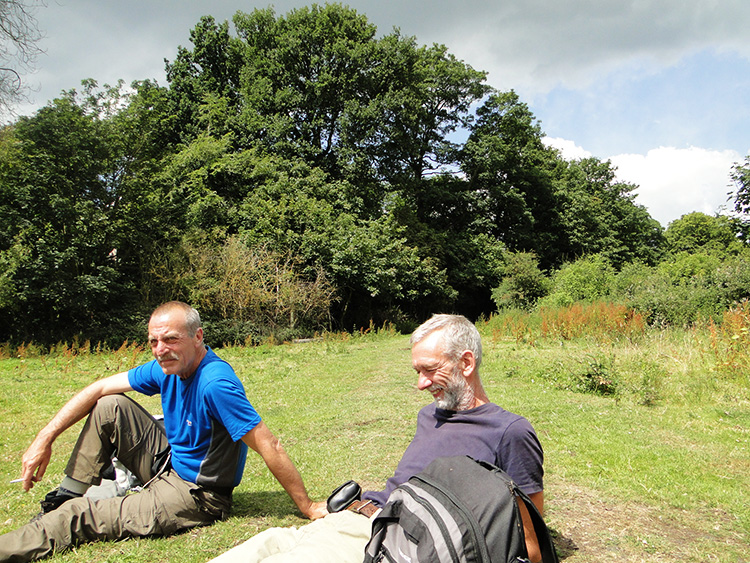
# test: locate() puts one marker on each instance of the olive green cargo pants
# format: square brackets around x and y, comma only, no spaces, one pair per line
[167,504]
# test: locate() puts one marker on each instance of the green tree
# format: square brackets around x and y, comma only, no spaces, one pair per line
[300,73]
[510,172]
[439,220]
[700,232]
[363,124]
[590,278]
[80,217]
[523,283]
[202,77]
[55,202]
[599,215]
[423,95]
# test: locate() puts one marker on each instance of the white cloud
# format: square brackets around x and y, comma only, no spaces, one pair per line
[568,149]
[538,45]
[673,181]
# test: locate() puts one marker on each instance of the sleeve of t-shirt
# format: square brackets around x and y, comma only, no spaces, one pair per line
[228,403]
[144,378]
[521,456]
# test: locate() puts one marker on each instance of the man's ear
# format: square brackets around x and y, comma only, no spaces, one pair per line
[199,334]
[468,363]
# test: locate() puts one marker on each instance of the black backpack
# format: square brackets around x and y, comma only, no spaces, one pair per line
[457,510]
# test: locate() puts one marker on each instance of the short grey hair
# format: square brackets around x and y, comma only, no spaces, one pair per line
[192,318]
[458,334]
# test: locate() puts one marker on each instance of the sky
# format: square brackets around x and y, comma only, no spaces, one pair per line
[661,88]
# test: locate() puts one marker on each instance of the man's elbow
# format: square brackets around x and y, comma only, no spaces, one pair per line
[275,446]
[264,442]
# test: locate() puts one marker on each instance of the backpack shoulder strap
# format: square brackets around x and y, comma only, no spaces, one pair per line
[546,546]
[543,537]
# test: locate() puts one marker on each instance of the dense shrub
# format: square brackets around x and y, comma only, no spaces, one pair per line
[684,288]
[587,279]
[523,283]
[249,294]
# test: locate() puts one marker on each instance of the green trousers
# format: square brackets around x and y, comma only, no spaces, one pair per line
[167,504]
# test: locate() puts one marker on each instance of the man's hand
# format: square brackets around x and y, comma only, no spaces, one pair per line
[35,462]
[37,457]
[317,510]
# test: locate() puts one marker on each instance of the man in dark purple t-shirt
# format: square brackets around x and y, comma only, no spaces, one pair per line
[446,354]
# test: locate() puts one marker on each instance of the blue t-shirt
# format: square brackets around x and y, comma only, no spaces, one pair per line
[205,417]
[487,433]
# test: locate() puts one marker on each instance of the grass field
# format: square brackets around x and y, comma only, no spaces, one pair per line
[645,438]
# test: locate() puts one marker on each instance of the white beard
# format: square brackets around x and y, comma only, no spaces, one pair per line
[457,394]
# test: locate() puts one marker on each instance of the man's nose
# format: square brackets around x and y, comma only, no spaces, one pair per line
[160,348]
[423,382]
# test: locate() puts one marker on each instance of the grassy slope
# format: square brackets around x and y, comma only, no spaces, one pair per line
[624,482]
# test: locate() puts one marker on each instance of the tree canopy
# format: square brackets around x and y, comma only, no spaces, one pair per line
[368,178]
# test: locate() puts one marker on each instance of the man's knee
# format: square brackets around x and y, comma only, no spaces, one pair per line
[112,401]
[106,406]
[110,407]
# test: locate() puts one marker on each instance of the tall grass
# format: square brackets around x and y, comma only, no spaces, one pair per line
[604,321]
[623,356]
[730,343]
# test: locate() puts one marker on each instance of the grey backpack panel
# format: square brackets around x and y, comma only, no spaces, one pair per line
[457,510]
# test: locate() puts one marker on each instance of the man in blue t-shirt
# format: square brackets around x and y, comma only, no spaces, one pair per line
[189,466]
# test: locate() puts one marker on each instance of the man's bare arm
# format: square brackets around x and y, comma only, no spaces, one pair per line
[37,457]
[262,440]
[532,544]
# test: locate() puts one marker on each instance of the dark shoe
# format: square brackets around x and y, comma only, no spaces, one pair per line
[53,500]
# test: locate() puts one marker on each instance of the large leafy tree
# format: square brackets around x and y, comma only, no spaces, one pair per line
[57,195]
[300,73]
[511,173]
[600,216]
[317,84]
[204,83]
[424,94]
[81,216]
[697,232]
[370,116]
